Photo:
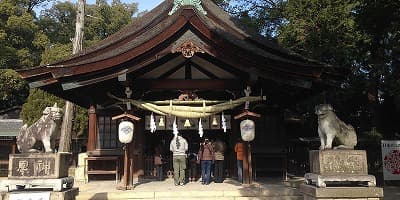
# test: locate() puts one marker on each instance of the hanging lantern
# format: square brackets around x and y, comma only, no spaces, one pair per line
[214,121]
[247,130]
[161,123]
[125,132]
[187,123]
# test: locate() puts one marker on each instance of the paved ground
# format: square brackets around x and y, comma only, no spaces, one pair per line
[262,189]
[271,189]
[166,189]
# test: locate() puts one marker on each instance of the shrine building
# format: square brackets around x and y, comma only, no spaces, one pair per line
[186,60]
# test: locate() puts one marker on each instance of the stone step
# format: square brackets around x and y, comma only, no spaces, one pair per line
[242,194]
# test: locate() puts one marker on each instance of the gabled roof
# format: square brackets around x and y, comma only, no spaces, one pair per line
[150,49]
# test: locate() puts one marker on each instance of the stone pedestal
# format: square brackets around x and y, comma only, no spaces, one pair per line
[311,192]
[339,174]
[38,170]
[56,184]
[38,165]
[69,194]
[80,174]
[339,167]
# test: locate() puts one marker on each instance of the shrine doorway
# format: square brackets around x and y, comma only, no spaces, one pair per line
[162,139]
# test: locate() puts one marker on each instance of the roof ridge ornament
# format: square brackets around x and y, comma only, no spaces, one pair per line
[188,49]
[195,3]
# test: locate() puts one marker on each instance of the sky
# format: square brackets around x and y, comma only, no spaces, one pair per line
[143,4]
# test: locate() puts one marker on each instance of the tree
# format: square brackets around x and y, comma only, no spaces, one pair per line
[263,16]
[13,90]
[103,19]
[21,42]
[36,102]
[381,64]
[324,30]
[58,23]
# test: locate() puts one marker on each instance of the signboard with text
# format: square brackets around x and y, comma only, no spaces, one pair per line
[391,159]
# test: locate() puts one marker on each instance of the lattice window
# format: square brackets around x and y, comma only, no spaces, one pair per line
[107,133]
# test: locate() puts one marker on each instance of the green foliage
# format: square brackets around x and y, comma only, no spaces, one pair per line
[21,42]
[81,121]
[264,16]
[36,102]
[324,30]
[13,90]
[58,22]
[104,19]
[56,52]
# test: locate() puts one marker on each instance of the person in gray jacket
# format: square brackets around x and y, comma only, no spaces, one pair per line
[179,146]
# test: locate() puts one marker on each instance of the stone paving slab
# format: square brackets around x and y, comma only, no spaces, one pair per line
[229,190]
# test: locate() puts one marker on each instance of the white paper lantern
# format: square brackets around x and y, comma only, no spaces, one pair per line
[247,130]
[125,132]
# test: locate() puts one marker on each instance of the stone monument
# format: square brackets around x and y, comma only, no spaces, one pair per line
[338,172]
[36,170]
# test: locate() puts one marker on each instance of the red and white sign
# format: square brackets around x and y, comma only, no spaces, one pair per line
[391,159]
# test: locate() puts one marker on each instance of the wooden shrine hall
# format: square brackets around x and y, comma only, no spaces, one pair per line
[189,53]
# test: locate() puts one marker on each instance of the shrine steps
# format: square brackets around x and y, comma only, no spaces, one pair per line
[229,190]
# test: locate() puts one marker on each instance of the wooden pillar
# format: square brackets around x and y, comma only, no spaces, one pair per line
[92,136]
[13,147]
[250,163]
[246,175]
[125,175]
[135,154]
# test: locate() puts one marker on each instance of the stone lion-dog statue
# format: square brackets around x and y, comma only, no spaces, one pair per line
[331,128]
[44,130]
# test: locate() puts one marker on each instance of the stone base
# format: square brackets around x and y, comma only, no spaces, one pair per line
[55,184]
[80,175]
[341,193]
[322,180]
[38,165]
[69,194]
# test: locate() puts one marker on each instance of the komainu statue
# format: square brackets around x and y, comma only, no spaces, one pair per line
[43,130]
[331,128]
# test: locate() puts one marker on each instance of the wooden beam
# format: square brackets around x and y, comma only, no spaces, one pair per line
[178,84]
[188,71]
[126,115]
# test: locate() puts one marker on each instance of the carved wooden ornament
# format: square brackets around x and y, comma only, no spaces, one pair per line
[188,49]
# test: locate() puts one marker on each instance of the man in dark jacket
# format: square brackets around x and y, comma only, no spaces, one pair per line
[219,148]
[206,155]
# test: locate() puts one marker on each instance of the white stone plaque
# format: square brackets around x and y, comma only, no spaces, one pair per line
[391,159]
[30,196]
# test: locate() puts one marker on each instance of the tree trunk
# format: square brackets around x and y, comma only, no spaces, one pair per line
[65,139]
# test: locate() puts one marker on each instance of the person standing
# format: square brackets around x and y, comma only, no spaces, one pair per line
[192,167]
[239,157]
[158,163]
[179,146]
[219,148]
[206,156]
